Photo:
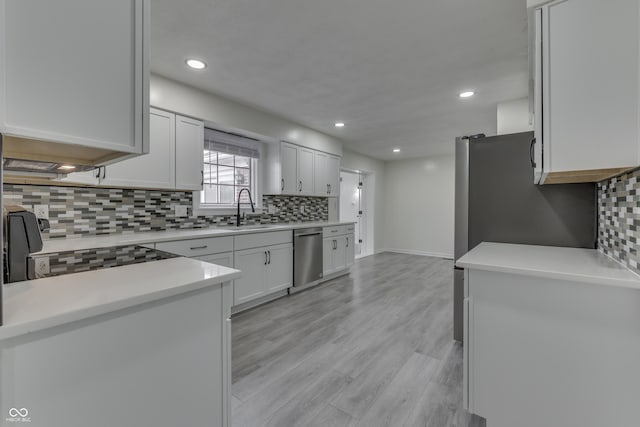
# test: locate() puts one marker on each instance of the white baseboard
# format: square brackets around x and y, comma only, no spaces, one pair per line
[420,253]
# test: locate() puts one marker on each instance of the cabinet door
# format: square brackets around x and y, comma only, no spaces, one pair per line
[538,141]
[305,172]
[320,164]
[340,253]
[155,169]
[288,168]
[76,71]
[224,259]
[189,153]
[328,246]
[333,175]
[590,78]
[279,267]
[350,250]
[253,264]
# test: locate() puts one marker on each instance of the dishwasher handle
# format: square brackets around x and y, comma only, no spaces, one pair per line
[308,234]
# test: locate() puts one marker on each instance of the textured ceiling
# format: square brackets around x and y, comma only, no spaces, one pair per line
[391,70]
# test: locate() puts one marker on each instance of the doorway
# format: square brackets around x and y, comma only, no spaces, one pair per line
[356,205]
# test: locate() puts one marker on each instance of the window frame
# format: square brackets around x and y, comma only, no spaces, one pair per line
[200,209]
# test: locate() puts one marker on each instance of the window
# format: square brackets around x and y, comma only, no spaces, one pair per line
[230,164]
[224,176]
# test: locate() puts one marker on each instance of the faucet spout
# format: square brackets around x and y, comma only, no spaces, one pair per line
[253,209]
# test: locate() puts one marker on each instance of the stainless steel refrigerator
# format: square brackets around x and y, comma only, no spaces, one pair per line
[497,201]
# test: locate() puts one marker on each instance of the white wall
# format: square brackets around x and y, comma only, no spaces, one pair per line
[419,206]
[513,117]
[359,162]
[230,115]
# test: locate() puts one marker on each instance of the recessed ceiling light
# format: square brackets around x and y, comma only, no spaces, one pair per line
[196,64]
[339,125]
[467,94]
[67,167]
[396,150]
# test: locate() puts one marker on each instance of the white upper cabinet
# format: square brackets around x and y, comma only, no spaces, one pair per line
[154,170]
[294,170]
[76,72]
[333,175]
[288,168]
[305,172]
[189,153]
[321,163]
[327,174]
[586,74]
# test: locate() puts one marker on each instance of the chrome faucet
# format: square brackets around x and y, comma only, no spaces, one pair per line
[253,209]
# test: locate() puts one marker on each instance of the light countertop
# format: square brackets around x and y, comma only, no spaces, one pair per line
[581,265]
[39,304]
[147,237]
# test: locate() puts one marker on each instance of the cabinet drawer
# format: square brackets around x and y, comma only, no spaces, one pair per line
[197,247]
[337,230]
[257,240]
[350,229]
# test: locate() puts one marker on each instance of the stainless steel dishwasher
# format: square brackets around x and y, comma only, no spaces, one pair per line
[307,256]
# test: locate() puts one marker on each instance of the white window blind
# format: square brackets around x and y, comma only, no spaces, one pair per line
[230,143]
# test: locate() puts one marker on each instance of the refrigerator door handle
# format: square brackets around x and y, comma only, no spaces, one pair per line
[532,153]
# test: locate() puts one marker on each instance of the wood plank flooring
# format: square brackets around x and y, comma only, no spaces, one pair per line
[373,348]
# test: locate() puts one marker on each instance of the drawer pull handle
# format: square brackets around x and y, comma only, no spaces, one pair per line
[195,248]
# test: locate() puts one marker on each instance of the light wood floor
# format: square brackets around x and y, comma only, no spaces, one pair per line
[373,348]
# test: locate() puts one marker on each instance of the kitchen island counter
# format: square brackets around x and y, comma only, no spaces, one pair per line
[44,303]
[573,264]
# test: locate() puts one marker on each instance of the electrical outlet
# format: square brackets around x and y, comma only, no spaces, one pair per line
[42,266]
[41,211]
[272,210]
[180,210]
[301,209]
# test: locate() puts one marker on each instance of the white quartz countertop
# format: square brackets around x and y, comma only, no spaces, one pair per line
[39,304]
[147,237]
[581,265]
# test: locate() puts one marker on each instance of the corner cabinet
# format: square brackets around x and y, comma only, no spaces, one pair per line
[295,170]
[586,84]
[75,72]
[157,169]
[174,160]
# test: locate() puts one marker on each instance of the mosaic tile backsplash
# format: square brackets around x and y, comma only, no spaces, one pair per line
[79,211]
[97,259]
[619,218]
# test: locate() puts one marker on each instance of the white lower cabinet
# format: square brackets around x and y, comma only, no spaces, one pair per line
[279,268]
[252,284]
[350,250]
[224,259]
[264,270]
[338,252]
[328,245]
[550,352]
